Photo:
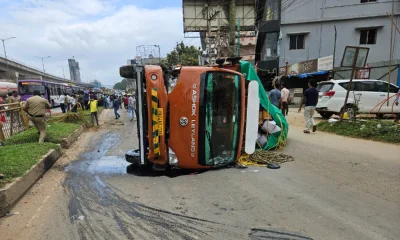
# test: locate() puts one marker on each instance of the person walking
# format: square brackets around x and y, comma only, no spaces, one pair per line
[116,107]
[120,101]
[62,102]
[36,108]
[285,98]
[310,98]
[93,110]
[126,102]
[275,96]
[131,107]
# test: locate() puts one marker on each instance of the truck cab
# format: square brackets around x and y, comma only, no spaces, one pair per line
[199,124]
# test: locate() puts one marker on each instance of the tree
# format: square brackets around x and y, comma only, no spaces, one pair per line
[121,85]
[183,55]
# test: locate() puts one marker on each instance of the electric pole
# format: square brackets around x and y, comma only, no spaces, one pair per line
[232,25]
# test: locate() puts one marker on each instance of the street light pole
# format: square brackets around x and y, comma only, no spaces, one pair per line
[4,47]
[43,61]
[62,69]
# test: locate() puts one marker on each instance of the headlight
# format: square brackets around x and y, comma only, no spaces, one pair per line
[173,160]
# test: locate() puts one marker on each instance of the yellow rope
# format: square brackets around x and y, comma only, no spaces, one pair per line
[263,158]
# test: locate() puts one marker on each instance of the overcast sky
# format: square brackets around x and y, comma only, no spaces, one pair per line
[100,34]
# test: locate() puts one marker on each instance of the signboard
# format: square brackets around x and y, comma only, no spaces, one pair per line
[355,57]
[325,63]
[300,67]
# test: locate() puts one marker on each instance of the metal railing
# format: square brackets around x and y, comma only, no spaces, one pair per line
[13,119]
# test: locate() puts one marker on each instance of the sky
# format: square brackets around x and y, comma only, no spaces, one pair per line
[100,34]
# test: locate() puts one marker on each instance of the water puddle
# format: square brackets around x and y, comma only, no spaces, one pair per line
[103,165]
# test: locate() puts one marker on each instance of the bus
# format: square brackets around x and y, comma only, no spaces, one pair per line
[49,90]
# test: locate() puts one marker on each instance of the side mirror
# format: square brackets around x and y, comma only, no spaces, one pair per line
[127,71]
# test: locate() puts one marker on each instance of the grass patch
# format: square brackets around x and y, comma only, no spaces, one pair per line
[55,132]
[383,131]
[15,160]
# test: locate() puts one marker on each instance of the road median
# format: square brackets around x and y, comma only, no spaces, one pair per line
[23,160]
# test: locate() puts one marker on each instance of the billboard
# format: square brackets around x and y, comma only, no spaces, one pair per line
[197,14]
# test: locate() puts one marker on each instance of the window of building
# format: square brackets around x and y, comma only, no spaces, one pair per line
[368,36]
[296,42]
[367,1]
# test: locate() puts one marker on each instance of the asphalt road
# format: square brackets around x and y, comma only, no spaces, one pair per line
[337,188]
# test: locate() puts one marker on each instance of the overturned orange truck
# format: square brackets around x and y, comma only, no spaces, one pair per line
[199,124]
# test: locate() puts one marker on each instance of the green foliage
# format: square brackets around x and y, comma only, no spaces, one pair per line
[183,55]
[15,160]
[383,131]
[121,85]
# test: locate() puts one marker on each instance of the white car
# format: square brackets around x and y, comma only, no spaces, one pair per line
[367,93]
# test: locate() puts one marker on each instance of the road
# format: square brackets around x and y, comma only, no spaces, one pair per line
[337,188]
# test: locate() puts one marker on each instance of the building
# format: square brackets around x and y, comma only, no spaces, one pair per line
[74,70]
[291,31]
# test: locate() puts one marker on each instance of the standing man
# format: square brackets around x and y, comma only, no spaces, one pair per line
[15,98]
[36,108]
[93,110]
[116,107]
[62,102]
[397,104]
[310,98]
[131,107]
[275,96]
[126,102]
[285,99]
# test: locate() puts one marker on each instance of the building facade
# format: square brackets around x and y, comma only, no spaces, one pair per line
[74,70]
[307,30]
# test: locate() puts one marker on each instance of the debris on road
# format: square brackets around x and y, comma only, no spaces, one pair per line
[81,217]
[263,158]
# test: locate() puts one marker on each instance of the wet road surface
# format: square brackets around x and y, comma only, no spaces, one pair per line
[333,190]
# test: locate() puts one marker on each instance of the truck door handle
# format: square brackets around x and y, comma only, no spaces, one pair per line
[382,95]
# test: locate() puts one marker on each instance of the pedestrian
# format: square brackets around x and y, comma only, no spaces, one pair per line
[36,108]
[67,102]
[397,104]
[75,104]
[131,107]
[310,98]
[85,100]
[126,102]
[93,110]
[275,96]
[116,107]
[285,98]
[9,96]
[62,102]
[120,101]
[15,98]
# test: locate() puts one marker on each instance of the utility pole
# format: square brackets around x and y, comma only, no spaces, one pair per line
[62,67]
[219,32]
[390,53]
[43,61]
[209,34]
[334,53]
[238,41]
[232,24]
[5,52]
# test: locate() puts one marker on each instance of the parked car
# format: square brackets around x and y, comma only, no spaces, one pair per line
[365,93]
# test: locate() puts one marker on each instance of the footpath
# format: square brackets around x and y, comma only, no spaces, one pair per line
[23,160]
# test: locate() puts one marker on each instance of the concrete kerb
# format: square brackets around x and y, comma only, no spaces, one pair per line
[67,142]
[12,192]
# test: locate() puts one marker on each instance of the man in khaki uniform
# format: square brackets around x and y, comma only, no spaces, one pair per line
[36,108]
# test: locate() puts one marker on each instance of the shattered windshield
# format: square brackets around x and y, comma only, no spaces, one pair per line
[221,117]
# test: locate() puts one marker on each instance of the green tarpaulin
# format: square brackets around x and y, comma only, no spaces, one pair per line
[277,139]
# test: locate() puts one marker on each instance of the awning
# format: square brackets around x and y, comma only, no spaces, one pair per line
[305,75]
